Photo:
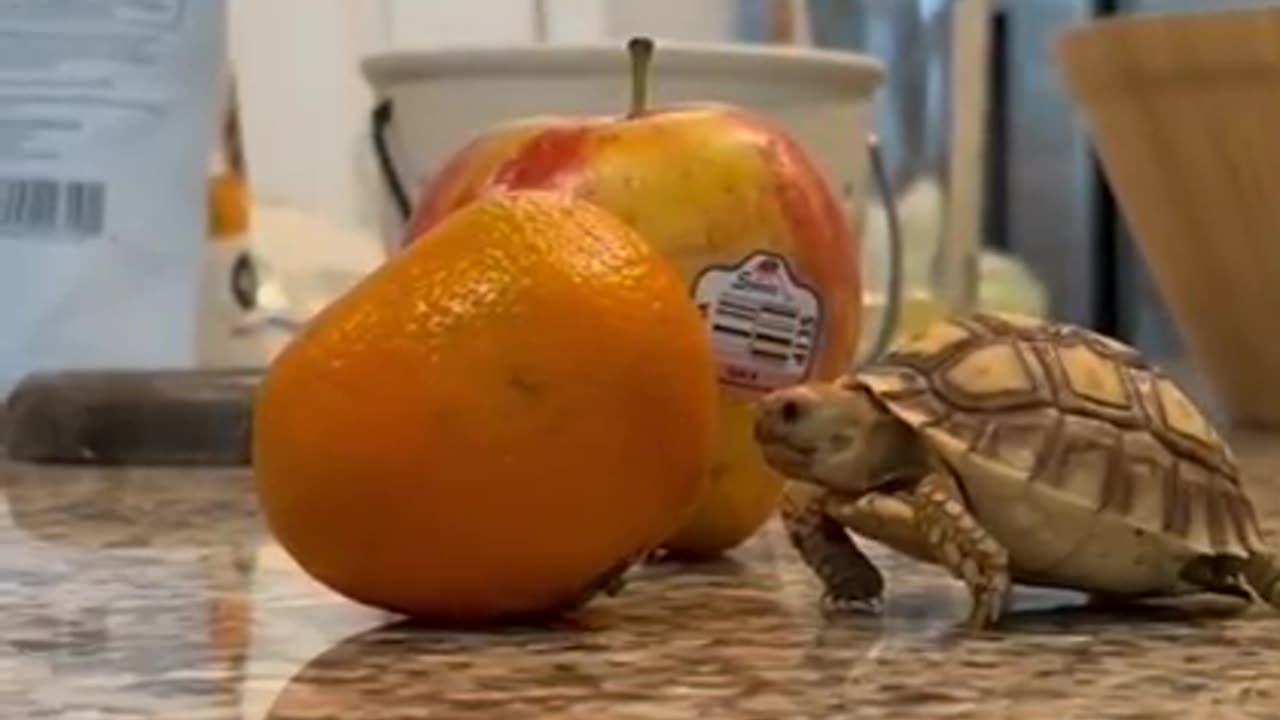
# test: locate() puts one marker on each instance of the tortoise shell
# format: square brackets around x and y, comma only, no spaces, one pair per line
[1081,417]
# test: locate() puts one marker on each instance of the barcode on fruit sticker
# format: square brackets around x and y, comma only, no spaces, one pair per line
[764,323]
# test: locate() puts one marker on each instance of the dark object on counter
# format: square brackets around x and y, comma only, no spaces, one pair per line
[136,417]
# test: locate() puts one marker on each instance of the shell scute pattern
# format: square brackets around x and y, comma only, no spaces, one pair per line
[994,376]
[1020,441]
[1085,457]
[926,350]
[1068,408]
[1144,465]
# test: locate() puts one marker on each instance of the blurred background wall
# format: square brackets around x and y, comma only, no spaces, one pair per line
[305,107]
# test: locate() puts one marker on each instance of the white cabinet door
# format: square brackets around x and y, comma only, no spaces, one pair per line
[433,23]
[303,101]
[305,104]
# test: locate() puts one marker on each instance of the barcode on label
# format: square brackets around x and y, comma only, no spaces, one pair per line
[44,206]
[770,333]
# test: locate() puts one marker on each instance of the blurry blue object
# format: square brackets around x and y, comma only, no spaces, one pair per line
[913,39]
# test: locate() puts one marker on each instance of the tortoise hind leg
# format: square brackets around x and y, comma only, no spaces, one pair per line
[964,547]
[1262,572]
[850,581]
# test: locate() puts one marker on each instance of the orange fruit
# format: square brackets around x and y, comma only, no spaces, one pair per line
[487,424]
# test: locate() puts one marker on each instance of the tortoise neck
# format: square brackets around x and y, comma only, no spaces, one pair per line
[895,456]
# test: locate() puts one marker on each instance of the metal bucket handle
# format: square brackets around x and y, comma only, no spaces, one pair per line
[894,281]
[379,121]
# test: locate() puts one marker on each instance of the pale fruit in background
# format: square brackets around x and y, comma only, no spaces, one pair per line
[1005,283]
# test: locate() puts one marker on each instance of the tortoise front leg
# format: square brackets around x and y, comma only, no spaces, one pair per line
[964,547]
[850,581]
[888,518]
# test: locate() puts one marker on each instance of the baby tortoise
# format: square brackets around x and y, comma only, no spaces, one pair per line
[1010,449]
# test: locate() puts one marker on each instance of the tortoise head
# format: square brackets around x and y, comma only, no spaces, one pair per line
[835,435]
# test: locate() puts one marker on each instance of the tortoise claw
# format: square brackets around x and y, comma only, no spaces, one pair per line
[989,597]
[852,605]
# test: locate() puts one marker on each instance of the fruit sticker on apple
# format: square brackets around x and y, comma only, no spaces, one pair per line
[744,214]
[763,322]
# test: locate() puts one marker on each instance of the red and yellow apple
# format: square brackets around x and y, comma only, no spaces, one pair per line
[741,210]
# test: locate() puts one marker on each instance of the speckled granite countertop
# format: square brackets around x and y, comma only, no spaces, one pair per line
[155,594]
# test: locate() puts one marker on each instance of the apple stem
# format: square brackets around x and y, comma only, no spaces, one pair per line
[641,51]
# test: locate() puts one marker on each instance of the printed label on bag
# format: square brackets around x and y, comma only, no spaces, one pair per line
[764,323]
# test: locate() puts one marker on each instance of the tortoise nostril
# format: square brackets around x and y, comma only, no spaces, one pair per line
[791,411]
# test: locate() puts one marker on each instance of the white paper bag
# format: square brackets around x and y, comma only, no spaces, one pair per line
[107,115]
